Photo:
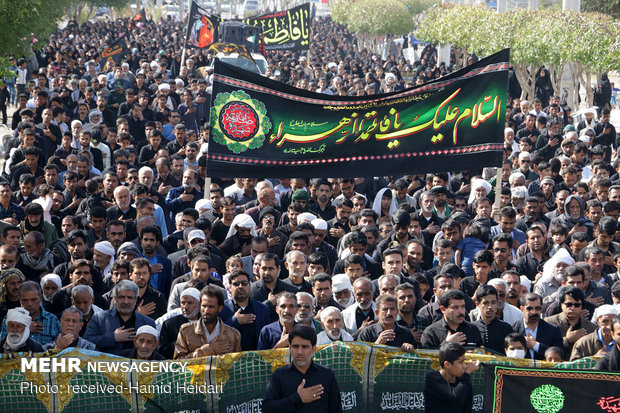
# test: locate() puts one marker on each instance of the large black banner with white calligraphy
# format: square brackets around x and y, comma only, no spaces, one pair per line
[261,127]
[285,30]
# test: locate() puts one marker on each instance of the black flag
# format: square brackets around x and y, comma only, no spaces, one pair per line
[138,18]
[201,28]
[115,52]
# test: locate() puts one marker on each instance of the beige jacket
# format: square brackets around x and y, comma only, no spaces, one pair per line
[192,341]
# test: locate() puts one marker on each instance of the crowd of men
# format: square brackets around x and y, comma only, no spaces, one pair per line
[108,242]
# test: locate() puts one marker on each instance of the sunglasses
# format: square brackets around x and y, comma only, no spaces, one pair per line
[537,308]
[238,283]
[500,249]
[571,305]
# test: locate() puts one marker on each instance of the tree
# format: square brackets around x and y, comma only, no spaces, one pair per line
[585,42]
[610,7]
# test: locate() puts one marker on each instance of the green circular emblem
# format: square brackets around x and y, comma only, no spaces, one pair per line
[547,399]
[238,121]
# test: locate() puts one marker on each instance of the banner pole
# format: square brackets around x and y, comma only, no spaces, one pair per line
[207,187]
[182,58]
[498,193]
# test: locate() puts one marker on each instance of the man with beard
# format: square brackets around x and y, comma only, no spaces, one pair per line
[343,290]
[600,341]
[553,274]
[103,257]
[71,322]
[77,246]
[333,327]
[407,315]
[452,327]
[505,312]
[400,233]
[18,339]
[145,343]
[161,267]
[170,323]
[83,298]
[275,335]
[362,313]
[245,314]
[266,198]
[239,237]
[533,213]
[45,326]
[269,285]
[207,336]
[296,263]
[322,292]
[276,239]
[357,246]
[339,225]
[113,330]
[10,280]
[387,331]
[34,221]
[539,334]
[184,196]
[514,287]
[611,360]
[150,302]
[529,263]
[305,311]
[302,385]
[322,208]
[79,272]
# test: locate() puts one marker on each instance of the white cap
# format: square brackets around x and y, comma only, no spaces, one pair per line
[147,330]
[605,309]
[196,234]
[341,282]
[203,204]
[319,223]
[105,247]
[192,292]
[305,217]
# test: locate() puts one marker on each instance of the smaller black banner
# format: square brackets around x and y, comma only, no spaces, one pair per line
[201,28]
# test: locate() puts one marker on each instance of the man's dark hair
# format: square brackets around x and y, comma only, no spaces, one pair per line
[213,291]
[591,250]
[512,337]
[268,256]
[357,238]
[319,258]
[484,290]
[75,234]
[116,222]
[320,277]
[353,259]
[529,297]
[574,292]
[573,270]
[299,235]
[615,290]
[391,251]
[235,274]
[151,229]
[139,263]
[444,301]
[304,332]
[484,256]
[607,225]
[503,237]
[368,212]
[450,352]
[192,213]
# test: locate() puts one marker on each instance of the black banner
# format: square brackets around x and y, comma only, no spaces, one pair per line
[140,17]
[201,28]
[260,127]
[115,52]
[285,30]
[525,390]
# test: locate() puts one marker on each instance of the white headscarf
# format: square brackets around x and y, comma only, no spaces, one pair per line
[478,183]
[51,277]
[18,315]
[376,205]
[560,256]
[243,221]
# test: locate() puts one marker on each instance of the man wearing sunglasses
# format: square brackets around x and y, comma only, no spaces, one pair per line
[502,255]
[539,334]
[570,322]
[245,314]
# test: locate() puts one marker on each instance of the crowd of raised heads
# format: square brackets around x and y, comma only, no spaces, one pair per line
[109,243]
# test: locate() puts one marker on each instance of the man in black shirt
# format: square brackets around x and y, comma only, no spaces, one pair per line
[492,330]
[302,385]
[386,331]
[452,327]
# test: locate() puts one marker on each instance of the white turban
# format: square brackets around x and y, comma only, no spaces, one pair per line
[478,183]
[341,282]
[192,292]
[319,224]
[19,315]
[243,221]
[305,217]
[147,330]
[560,256]
[164,86]
[605,309]
[105,247]
[203,204]
[51,277]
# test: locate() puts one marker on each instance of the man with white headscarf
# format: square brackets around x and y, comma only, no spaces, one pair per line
[343,290]
[553,274]
[103,256]
[18,333]
[145,343]
[479,189]
[50,284]
[239,237]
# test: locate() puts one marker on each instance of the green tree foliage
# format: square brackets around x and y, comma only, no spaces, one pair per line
[610,7]
[585,42]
